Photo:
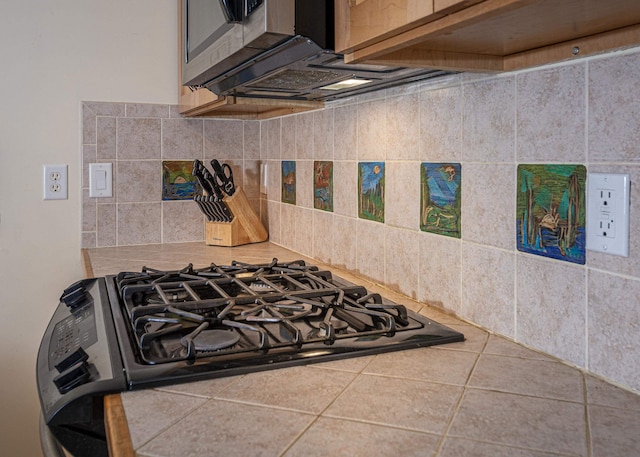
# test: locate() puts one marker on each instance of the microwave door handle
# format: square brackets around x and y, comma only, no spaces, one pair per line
[233,10]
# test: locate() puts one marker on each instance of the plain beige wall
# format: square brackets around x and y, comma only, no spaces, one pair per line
[53,55]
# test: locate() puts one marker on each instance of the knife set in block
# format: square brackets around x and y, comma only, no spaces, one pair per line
[245,226]
[231,220]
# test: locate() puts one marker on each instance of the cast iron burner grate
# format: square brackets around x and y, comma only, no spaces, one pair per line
[256,314]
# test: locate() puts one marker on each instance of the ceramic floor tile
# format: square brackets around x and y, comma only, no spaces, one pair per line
[207,389]
[605,394]
[353,364]
[299,388]
[520,421]
[538,378]
[426,364]
[475,339]
[168,408]
[336,437]
[213,430]
[409,404]
[502,346]
[614,432]
[456,447]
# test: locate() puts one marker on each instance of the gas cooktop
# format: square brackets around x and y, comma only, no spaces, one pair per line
[135,330]
[222,320]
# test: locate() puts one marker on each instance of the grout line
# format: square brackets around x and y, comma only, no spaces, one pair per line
[586,415]
[456,407]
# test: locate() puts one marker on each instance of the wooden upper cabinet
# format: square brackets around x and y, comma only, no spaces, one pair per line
[484,35]
[370,21]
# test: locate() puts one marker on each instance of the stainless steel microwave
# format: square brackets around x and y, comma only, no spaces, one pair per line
[220,34]
[276,49]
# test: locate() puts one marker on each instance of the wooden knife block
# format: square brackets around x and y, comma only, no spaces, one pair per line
[244,228]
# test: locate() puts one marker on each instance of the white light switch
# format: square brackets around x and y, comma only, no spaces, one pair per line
[100,180]
[608,213]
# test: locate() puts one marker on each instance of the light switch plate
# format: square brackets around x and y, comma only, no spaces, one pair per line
[608,213]
[100,180]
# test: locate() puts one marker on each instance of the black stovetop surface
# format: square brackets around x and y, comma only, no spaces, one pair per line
[192,324]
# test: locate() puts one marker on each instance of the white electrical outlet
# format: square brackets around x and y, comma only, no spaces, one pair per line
[55,182]
[608,213]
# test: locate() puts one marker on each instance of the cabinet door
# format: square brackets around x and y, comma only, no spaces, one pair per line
[360,23]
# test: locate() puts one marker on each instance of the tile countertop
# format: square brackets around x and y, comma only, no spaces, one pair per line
[486,396]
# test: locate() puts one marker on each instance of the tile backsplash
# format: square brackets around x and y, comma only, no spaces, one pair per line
[582,112]
[136,139]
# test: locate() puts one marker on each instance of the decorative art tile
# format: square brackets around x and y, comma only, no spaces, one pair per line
[440,198]
[550,214]
[323,185]
[371,191]
[178,182]
[289,181]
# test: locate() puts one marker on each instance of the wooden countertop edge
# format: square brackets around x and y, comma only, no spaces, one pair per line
[116,427]
[115,420]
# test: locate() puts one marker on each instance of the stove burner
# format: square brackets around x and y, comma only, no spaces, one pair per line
[210,340]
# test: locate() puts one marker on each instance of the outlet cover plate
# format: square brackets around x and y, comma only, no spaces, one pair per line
[608,213]
[55,182]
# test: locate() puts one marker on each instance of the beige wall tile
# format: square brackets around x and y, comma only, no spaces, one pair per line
[270,139]
[323,134]
[147,110]
[488,204]
[440,280]
[403,127]
[402,268]
[88,156]
[344,242]
[182,139]
[303,221]
[223,139]
[304,136]
[139,223]
[288,137]
[613,323]
[288,215]
[106,138]
[274,180]
[441,125]
[613,108]
[488,288]
[107,230]
[488,120]
[345,132]
[345,188]
[274,222]
[372,130]
[89,212]
[139,181]
[304,183]
[181,221]
[251,140]
[323,236]
[138,138]
[551,114]
[247,175]
[370,245]
[402,191]
[551,307]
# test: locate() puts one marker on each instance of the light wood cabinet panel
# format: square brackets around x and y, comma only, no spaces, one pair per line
[370,21]
[502,35]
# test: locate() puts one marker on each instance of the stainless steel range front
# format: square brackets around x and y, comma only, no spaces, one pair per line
[142,329]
